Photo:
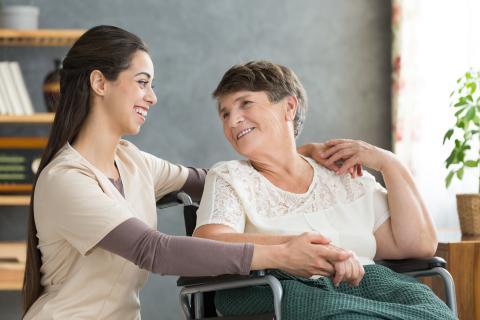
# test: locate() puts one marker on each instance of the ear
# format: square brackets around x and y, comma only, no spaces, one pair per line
[97,82]
[291,103]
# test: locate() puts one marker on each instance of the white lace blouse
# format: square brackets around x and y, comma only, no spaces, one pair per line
[346,210]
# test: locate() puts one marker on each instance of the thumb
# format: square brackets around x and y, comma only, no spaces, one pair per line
[319,239]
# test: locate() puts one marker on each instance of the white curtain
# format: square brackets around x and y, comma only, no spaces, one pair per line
[434,43]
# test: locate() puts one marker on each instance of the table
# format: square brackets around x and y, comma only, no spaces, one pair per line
[463,262]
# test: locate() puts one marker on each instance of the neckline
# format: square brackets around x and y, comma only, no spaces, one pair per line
[306,193]
[116,160]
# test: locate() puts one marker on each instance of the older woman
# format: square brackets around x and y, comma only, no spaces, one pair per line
[278,193]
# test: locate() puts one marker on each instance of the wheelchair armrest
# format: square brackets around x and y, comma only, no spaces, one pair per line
[173,199]
[410,265]
[194,281]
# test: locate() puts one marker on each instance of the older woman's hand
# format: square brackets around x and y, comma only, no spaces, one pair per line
[310,254]
[353,153]
[315,151]
[349,270]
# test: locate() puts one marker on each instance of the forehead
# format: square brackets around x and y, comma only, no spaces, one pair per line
[229,99]
[141,62]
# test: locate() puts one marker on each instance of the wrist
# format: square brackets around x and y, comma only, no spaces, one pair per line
[389,160]
[269,256]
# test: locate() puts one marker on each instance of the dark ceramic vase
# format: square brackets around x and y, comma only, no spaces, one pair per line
[51,87]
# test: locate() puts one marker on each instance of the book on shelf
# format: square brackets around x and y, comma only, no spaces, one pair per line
[14,97]
[19,161]
[16,73]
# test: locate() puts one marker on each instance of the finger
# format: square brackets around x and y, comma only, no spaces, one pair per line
[342,154]
[355,271]
[317,238]
[333,142]
[349,271]
[339,273]
[351,171]
[349,163]
[335,148]
[333,255]
[362,273]
[331,166]
[324,268]
[359,170]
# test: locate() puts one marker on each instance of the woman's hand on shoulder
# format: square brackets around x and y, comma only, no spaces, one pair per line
[355,152]
[315,151]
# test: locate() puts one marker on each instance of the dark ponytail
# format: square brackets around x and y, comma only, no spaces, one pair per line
[107,49]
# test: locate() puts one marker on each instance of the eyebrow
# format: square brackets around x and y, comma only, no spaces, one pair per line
[144,73]
[221,109]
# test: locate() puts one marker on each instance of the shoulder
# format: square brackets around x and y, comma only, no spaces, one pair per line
[231,167]
[63,177]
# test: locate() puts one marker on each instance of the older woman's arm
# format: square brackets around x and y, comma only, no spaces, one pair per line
[409,233]
[332,261]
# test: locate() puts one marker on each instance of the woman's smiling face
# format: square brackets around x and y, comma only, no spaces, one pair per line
[251,122]
[129,97]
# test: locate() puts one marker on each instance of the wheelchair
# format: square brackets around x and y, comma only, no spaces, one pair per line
[197,293]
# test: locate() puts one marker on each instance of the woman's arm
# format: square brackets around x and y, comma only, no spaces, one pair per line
[409,233]
[222,232]
[194,184]
[331,261]
[185,256]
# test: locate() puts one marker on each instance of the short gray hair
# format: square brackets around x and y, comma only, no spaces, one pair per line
[276,80]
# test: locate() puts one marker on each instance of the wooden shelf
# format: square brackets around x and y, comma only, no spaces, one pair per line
[12,265]
[39,37]
[33,118]
[14,201]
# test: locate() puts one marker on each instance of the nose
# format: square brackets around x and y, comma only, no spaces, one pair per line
[151,97]
[236,117]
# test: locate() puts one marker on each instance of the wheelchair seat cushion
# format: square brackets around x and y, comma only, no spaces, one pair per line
[382,294]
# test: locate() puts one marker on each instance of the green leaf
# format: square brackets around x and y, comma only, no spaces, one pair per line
[460,173]
[472,86]
[448,179]
[448,135]
[460,111]
[470,114]
[468,75]
[471,163]
[449,160]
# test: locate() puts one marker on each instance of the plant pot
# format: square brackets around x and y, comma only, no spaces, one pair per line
[19,17]
[468,207]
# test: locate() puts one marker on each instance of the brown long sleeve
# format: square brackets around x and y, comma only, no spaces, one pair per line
[195,183]
[176,255]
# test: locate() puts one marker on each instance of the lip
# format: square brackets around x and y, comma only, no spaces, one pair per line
[239,135]
[140,117]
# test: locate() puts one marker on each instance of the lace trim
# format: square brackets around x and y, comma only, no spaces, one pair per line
[268,201]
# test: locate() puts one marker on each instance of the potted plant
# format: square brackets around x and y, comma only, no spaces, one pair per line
[466,103]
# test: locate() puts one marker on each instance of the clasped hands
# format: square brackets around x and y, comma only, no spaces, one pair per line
[313,254]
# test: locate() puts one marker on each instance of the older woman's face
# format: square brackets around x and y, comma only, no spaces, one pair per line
[251,123]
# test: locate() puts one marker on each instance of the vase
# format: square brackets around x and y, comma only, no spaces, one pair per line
[19,17]
[51,87]
[468,206]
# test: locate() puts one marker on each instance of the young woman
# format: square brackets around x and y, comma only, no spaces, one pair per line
[92,234]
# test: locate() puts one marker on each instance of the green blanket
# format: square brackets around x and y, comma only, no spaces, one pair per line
[382,294]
